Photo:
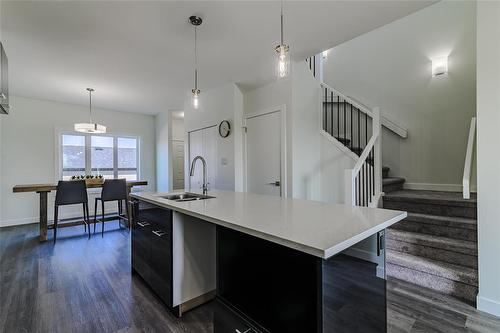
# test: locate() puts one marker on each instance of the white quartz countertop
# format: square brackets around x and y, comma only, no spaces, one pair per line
[317,228]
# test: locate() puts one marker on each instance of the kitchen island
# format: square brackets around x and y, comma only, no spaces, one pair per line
[274,264]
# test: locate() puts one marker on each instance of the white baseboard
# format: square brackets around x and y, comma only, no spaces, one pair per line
[434,187]
[488,305]
[30,220]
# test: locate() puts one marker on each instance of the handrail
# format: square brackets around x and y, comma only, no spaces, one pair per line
[468,159]
[386,122]
[349,100]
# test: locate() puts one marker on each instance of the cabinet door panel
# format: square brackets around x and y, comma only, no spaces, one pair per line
[141,247]
[161,264]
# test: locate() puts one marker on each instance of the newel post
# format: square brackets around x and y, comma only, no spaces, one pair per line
[350,187]
[377,130]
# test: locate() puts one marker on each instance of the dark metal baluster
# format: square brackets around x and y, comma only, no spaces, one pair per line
[331,113]
[314,66]
[325,105]
[351,129]
[344,123]
[359,130]
[366,129]
[338,116]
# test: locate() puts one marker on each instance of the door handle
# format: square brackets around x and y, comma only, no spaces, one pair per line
[159,233]
[143,224]
[275,183]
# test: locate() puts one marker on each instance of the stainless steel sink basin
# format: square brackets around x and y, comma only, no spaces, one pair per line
[179,197]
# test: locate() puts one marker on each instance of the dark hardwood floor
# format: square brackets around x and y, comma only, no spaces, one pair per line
[81,285]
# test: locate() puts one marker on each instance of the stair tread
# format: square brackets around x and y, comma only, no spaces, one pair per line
[463,246]
[442,269]
[432,197]
[450,221]
[393,180]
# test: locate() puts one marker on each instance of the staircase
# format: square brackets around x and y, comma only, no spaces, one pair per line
[436,245]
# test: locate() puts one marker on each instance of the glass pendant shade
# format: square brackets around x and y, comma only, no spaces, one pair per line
[90,128]
[282,61]
[196,98]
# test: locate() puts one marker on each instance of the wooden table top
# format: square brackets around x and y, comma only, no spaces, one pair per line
[53,187]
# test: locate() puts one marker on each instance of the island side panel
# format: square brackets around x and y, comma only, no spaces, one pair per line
[354,297]
[273,288]
[193,261]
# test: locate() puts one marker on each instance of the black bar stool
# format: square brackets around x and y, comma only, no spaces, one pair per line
[112,190]
[71,193]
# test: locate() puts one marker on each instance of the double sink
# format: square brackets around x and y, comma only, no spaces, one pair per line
[186,196]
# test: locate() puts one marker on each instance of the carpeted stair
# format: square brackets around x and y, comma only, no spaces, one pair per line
[436,245]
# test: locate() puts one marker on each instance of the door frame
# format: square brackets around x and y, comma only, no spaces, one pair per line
[283,153]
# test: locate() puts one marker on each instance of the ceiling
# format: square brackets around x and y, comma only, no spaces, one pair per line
[138,55]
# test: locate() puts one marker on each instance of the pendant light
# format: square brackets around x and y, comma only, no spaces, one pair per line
[90,127]
[195,21]
[283,54]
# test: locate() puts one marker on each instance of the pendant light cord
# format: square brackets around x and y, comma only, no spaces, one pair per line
[90,105]
[195,61]
[282,22]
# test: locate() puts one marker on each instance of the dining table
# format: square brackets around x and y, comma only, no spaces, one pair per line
[44,189]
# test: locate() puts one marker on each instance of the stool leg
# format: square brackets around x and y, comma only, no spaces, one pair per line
[84,218]
[95,214]
[119,213]
[88,217]
[102,205]
[56,210]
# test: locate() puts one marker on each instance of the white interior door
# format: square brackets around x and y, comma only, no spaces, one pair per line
[263,154]
[203,142]
[178,164]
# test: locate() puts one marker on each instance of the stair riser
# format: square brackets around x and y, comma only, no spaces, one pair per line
[437,230]
[442,285]
[423,208]
[392,187]
[462,248]
[452,222]
[432,253]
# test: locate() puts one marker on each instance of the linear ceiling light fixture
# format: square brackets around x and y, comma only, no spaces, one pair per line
[195,21]
[90,127]
[283,54]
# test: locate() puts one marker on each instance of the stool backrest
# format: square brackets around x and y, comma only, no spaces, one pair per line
[71,192]
[114,189]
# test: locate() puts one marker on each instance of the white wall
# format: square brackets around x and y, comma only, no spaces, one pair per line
[28,141]
[163,166]
[488,158]
[216,105]
[390,67]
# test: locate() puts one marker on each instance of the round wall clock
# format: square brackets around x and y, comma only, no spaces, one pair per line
[224,128]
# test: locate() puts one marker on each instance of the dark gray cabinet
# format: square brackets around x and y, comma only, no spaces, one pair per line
[152,247]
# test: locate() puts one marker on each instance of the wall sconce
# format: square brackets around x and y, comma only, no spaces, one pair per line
[440,66]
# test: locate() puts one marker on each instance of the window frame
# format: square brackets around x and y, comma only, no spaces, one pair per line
[88,151]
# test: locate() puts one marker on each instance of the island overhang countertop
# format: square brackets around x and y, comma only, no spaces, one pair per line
[317,228]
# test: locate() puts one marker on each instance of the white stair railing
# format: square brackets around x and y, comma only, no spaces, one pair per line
[468,159]
[363,183]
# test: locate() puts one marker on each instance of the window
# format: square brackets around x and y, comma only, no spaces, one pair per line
[110,156]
